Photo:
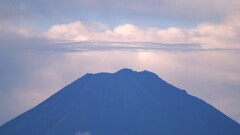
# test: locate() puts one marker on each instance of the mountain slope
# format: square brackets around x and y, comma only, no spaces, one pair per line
[121,103]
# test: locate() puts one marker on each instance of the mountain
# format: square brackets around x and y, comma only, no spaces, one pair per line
[122,103]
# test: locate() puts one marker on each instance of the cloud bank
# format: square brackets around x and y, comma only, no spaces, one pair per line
[210,35]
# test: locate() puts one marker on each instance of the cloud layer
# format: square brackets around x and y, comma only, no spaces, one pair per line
[210,35]
[184,11]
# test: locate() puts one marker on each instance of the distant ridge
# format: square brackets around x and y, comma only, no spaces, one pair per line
[126,102]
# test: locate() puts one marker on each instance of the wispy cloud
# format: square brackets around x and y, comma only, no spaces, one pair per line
[197,11]
[86,46]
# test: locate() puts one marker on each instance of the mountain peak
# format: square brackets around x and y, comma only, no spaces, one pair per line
[125,70]
[128,71]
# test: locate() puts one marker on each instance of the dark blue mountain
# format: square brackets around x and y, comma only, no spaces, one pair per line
[122,103]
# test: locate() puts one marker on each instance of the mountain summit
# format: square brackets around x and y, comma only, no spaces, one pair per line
[122,103]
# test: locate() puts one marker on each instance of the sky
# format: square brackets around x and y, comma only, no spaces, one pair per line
[47,44]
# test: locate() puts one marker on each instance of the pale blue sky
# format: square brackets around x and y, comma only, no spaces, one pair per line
[46,44]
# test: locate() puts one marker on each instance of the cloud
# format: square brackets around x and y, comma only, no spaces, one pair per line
[211,36]
[78,31]
[140,12]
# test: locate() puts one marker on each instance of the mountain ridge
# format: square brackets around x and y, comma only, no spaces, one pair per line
[124,102]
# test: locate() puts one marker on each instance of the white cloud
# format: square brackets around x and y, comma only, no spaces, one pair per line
[211,35]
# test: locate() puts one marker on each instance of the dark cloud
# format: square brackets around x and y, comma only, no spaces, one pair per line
[131,46]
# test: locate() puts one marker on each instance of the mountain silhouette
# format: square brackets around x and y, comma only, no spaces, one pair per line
[122,103]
